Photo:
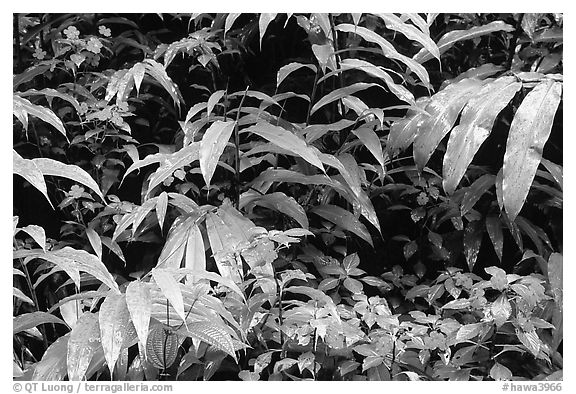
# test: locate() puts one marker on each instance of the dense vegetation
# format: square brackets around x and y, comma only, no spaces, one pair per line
[287,197]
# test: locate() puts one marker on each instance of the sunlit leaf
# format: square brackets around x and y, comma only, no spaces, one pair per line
[139,304]
[452,37]
[263,23]
[282,203]
[70,312]
[25,107]
[404,131]
[28,170]
[289,69]
[69,171]
[53,366]
[157,71]
[387,49]
[171,290]
[494,229]
[161,207]
[500,372]
[213,100]
[83,342]
[230,18]
[95,241]
[26,321]
[475,126]
[472,241]
[212,145]
[195,254]
[115,323]
[172,162]
[395,23]
[37,233]
[212,335]
[344,219]
[341,93]
[475,191]
[529,131]
[371,141]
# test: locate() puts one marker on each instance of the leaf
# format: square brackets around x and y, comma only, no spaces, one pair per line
[395,23]
[501,310]
[157,71]
[404,131]
[28,170]
[70,312]
[69,171]
[378,72]
[114,319]
[24,108]
[371,141]
[343,219]
[529,131]
[171,290]
[195,253]
[475,191]
[95,241]
[500,372]
[286,140]
[73,260]
[82,344]
[50,94]
[457,304]
[468,331]
[196,108]
[452,37]
[555,170]
[444,109]
[212,145]
[494,229]
[139,304]
[387,49]
[475,126]
[212,335]
[37,233]
[230,18]
[212,277]
[263,23]
[213,100]
[282,203]
[53,366]
[288,69]
[161,207]
[26,321]
[172,162]
[340,93]
[472,241]
[16,292]
[555,276]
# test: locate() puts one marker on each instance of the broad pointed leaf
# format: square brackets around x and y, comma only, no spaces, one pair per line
[175,246]
[53,366]
[139,304]
[341,93]
[161,207]
[289,69]
[263,23]
[95,241]
[343,219]
[213,335]
[213,100]
[157,71]
[371,141]
[37,233]
[171,289]
[28,320]
[230,18]
[115,323]
[529,131]
[475,191]
[395,23]
[282,203]
[404,131]
[172,162]
[212,145]
[28,170]
[83,342]
[475,126]
[21,105]
[195,254]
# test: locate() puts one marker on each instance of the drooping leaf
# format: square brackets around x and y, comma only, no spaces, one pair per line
[171,290]
[157,71]
[343,219]
[195,254]
[212,145]
[28,170]
[213,335]
[263,23]
[395,23]
[341,93]
[161,207]
[172,162]
[282,203]
[230,18]
[50,94]
[404,131]
[475,191]
[213,100]
[452,37]
[26,321]
[387,49]
[22,108]
[444,108]
[289,69]
[372,142]
[70,171]
[37,233]
[70,312]
[475,126]
[16,292]
[555,170]
[529,131]
[115,324]
[286,140]
[175,246]
[83,342]
[472,241]
[195,109]
[53,366]
[95,241]
[494,229]
[139,304]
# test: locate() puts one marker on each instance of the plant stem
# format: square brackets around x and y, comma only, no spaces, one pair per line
[312,97]
[237,147]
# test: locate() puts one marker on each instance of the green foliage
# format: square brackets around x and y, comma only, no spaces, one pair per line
[224,200]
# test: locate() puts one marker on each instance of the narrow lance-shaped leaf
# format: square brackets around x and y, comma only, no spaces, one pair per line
[195,254]
[282,203]
[171,290]
[222,243]
[28,320]
[529,131]
[387,49]
[341,93]
[139,306]
[161,207]
[475,191]
[28,170]
[494,230]
[289,69]
[70,171]
[212,145]
[444,109]
[404,131]
[472,241]
[263,23]
[53,366]
[286,140]
[21,105]
[395,23]
[475,126]
[95,241]
[175,246]
[157,71]
[343,219]
[37,233]
[171,163]
[114,319]
[230,18]
[84,339]
[371,141]
[450,38]
[213,100]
